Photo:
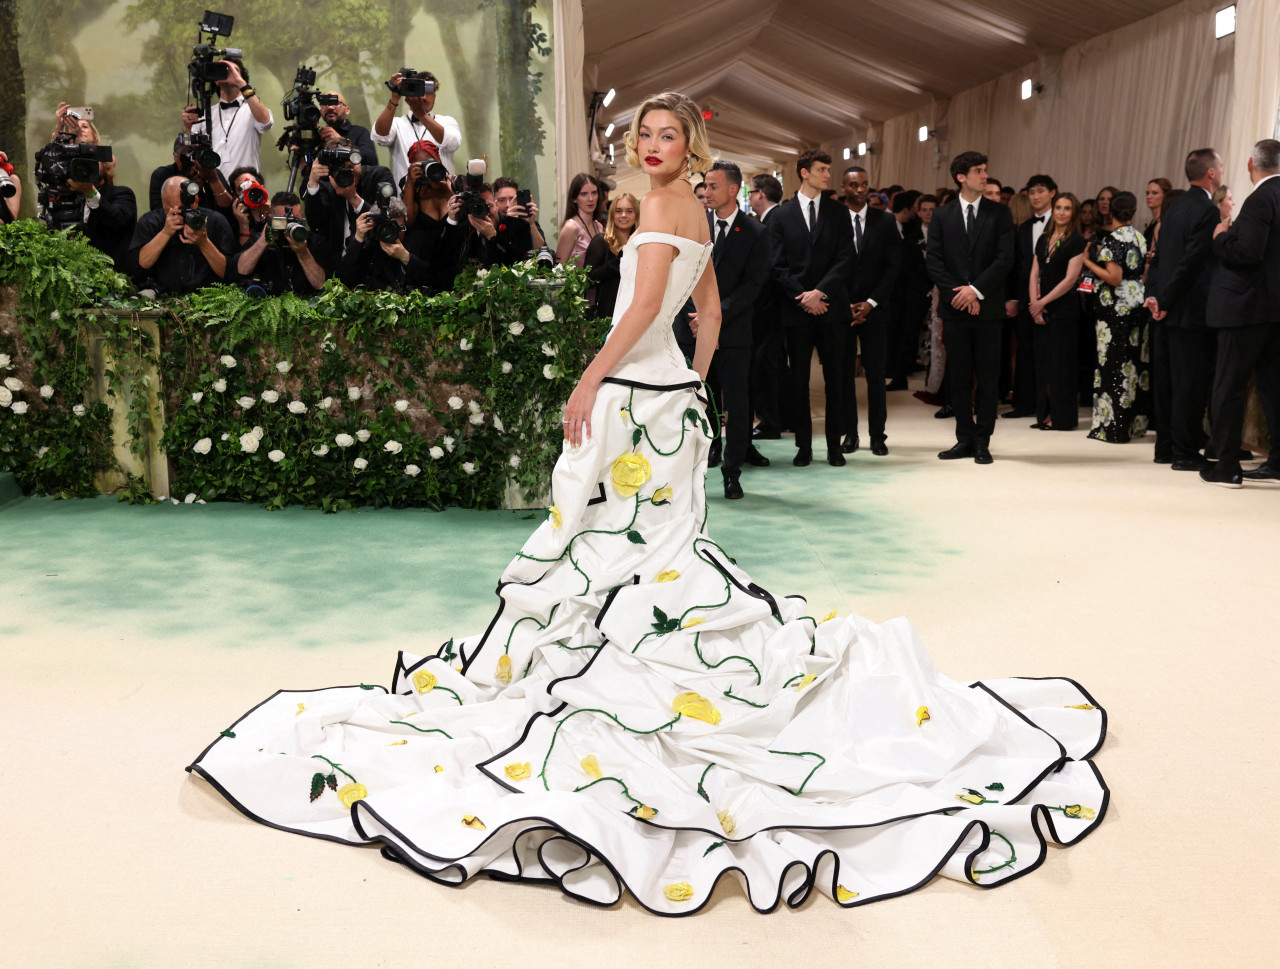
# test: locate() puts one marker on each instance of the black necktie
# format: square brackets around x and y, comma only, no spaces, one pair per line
[813,216]
[721,225]
[857,233]
[968,219]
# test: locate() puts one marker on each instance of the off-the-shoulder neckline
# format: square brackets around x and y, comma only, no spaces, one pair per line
[668,235]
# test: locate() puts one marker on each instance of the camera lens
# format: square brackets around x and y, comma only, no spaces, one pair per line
[194,219]
[344,178]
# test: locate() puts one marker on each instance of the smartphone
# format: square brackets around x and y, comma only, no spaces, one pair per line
[81,114]
[523,197]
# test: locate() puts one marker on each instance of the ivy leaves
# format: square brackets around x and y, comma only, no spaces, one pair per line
[320,781]
[664,624]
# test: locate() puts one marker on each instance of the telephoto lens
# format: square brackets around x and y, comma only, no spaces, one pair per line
[194,219]
[253,195]
[7,189]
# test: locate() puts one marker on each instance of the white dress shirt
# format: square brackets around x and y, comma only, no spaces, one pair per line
[406,130]
[1037,228]
[804,201]
[854,218]
[237,135]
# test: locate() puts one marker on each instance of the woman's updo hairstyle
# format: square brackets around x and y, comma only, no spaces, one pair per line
[690,115]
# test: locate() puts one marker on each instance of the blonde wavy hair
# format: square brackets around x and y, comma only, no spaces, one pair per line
[690,115]
[611,231]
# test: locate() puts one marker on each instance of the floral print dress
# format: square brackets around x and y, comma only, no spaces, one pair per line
[1122,376]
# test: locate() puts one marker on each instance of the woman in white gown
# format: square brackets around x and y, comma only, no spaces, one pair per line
[639,714]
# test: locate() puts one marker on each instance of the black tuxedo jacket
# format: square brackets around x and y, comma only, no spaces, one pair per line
[1183,264]
[873,273]
[1023,256]
[326,210]
[1246,284]
[819,260]
[984,261]
[742,265]
[767,300]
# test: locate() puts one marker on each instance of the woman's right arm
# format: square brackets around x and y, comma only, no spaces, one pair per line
[568,236]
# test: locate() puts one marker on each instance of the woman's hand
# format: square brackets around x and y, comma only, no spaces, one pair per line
[577,412]
[1035,307]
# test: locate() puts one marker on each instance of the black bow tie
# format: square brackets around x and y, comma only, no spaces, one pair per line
[228,105]
[1037,218]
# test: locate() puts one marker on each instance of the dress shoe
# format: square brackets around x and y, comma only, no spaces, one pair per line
[803,456]
[981,455]
[1190,464]
[755,458]
[1267,474]
[1039,425]
[933,400]
[945,411]
[732,489]
[835,458]
[1223,479]
[898,384]
[1018,413]
[849,444]
[1163,457]
[879,449]
[960,449]
[762,433]
[716,454]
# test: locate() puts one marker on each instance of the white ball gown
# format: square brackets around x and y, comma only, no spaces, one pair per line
[640,716]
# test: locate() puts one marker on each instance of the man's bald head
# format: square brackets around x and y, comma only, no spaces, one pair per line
[171,192]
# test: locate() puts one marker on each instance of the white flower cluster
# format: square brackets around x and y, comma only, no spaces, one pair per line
[270,396]
[546,314]
[5,362]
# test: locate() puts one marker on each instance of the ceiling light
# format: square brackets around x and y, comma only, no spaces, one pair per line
[1027,89]
[924,132]
[862,148]
[1224,22]
[608,132]
[611,154]
[848,152]
[608,98]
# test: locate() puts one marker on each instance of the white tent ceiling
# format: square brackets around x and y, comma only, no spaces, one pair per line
[784,75]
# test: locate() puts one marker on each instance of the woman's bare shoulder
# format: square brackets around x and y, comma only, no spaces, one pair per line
[674,212]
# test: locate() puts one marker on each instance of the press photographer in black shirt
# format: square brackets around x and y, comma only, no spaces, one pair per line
[337,196]
[430,205]
[215,193]
[180,245]
[110,214]
[337,125]
[520,213]
[375,256]
[278,259]
[251,207]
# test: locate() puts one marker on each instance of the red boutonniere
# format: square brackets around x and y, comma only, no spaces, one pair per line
[737,228]
[502,228]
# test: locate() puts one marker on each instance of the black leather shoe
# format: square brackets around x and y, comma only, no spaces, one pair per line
[945,411]
[879,449]
[1213,476]
[755,458]
[1019,413]
[1039,425]
[803,456]
[716,454]
[898,384]
[762,433]
[732,489]
[1163,457]
[849,444]
[981,455]
[958,450]
[835,458]
[1266,474]
[1190,464]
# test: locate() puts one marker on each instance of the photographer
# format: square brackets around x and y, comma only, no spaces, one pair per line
[337,196]
[10,191]
[215,190]
[429,203]
[110,211]
[338,126]
[520,212]
[181,245]
[240,119]
[420,124]
[249,210]
[278,259]
[375,255]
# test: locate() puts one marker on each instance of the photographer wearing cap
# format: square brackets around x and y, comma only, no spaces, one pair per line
[279,259]
[181,245]
[339,190]
[375,256]
[420,124]
[250,208]
[110,210]
[10,191]
[240,119]
[215,189]
[337,125]
[520,220]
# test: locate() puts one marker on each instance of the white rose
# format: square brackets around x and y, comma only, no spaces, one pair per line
[497,424]
[78,410]
[219,385]
[549,372]
[362,435]
[6,396]
[41,453]
[46,391]
[448,444]
[394,447]
[436,453]
[548,349]
[246,402]
[275,456]
[297,407]
[197,397]
[344,440]
[284,366]
[5,362]
[516,328]
[19,406]
[190,499]
[412,470]
[270,396]
[248,443]
[468,467]
[515,461]
[55,316]
[481,273]
[326,403]
[402,405]
[320,451]
[455,403]
[477,419]
[13,383]
[227,360]
[327,343]
[506,366]
[546,314]
[225,436]
[473,406]
[257,431]
[465,344]
[203,446]
[558,269]
[360,464]
[353,393]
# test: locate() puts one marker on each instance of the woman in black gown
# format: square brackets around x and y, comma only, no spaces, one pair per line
[604,254]
[1055,309]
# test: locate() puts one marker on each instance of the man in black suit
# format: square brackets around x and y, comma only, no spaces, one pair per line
[911,296]
[1041,190]
[1244,308]
[873,272]
[741,256]
[811,243]
[969,254]
[770,376]
[1177,292]
[333,208]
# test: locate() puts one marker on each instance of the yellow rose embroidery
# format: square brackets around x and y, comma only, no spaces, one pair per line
[592,766]
[518,772]
[670,575]
[348,794]
[726,821]
[397,743]
[629,472]
[971,798]
[503,673]
[1076,811]
[555,517]
[1082,706]
[696,621]
[662,494]
[424,681]
[471,821]
[844,895]
[679,892]
[805,680]
[439,769]
[829,616]
[301,707]
[644,812]
[695,706]
[922,715]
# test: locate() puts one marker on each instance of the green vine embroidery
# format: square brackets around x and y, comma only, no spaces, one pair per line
[639,808]
[542,774]
[975,797]
[804,753]
[691,417]
[422,729]
[741,699]
[1013,857]
[348,794]
[702,791]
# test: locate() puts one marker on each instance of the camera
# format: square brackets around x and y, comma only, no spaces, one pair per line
[253,195]
[337,158]
[189,191]
[545,257]
[205,71]
[385,228]
[194,219]
[198,146]
[413,84]
[299,102]
[467,188]
[283,229]
[58,163]
[7,189]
